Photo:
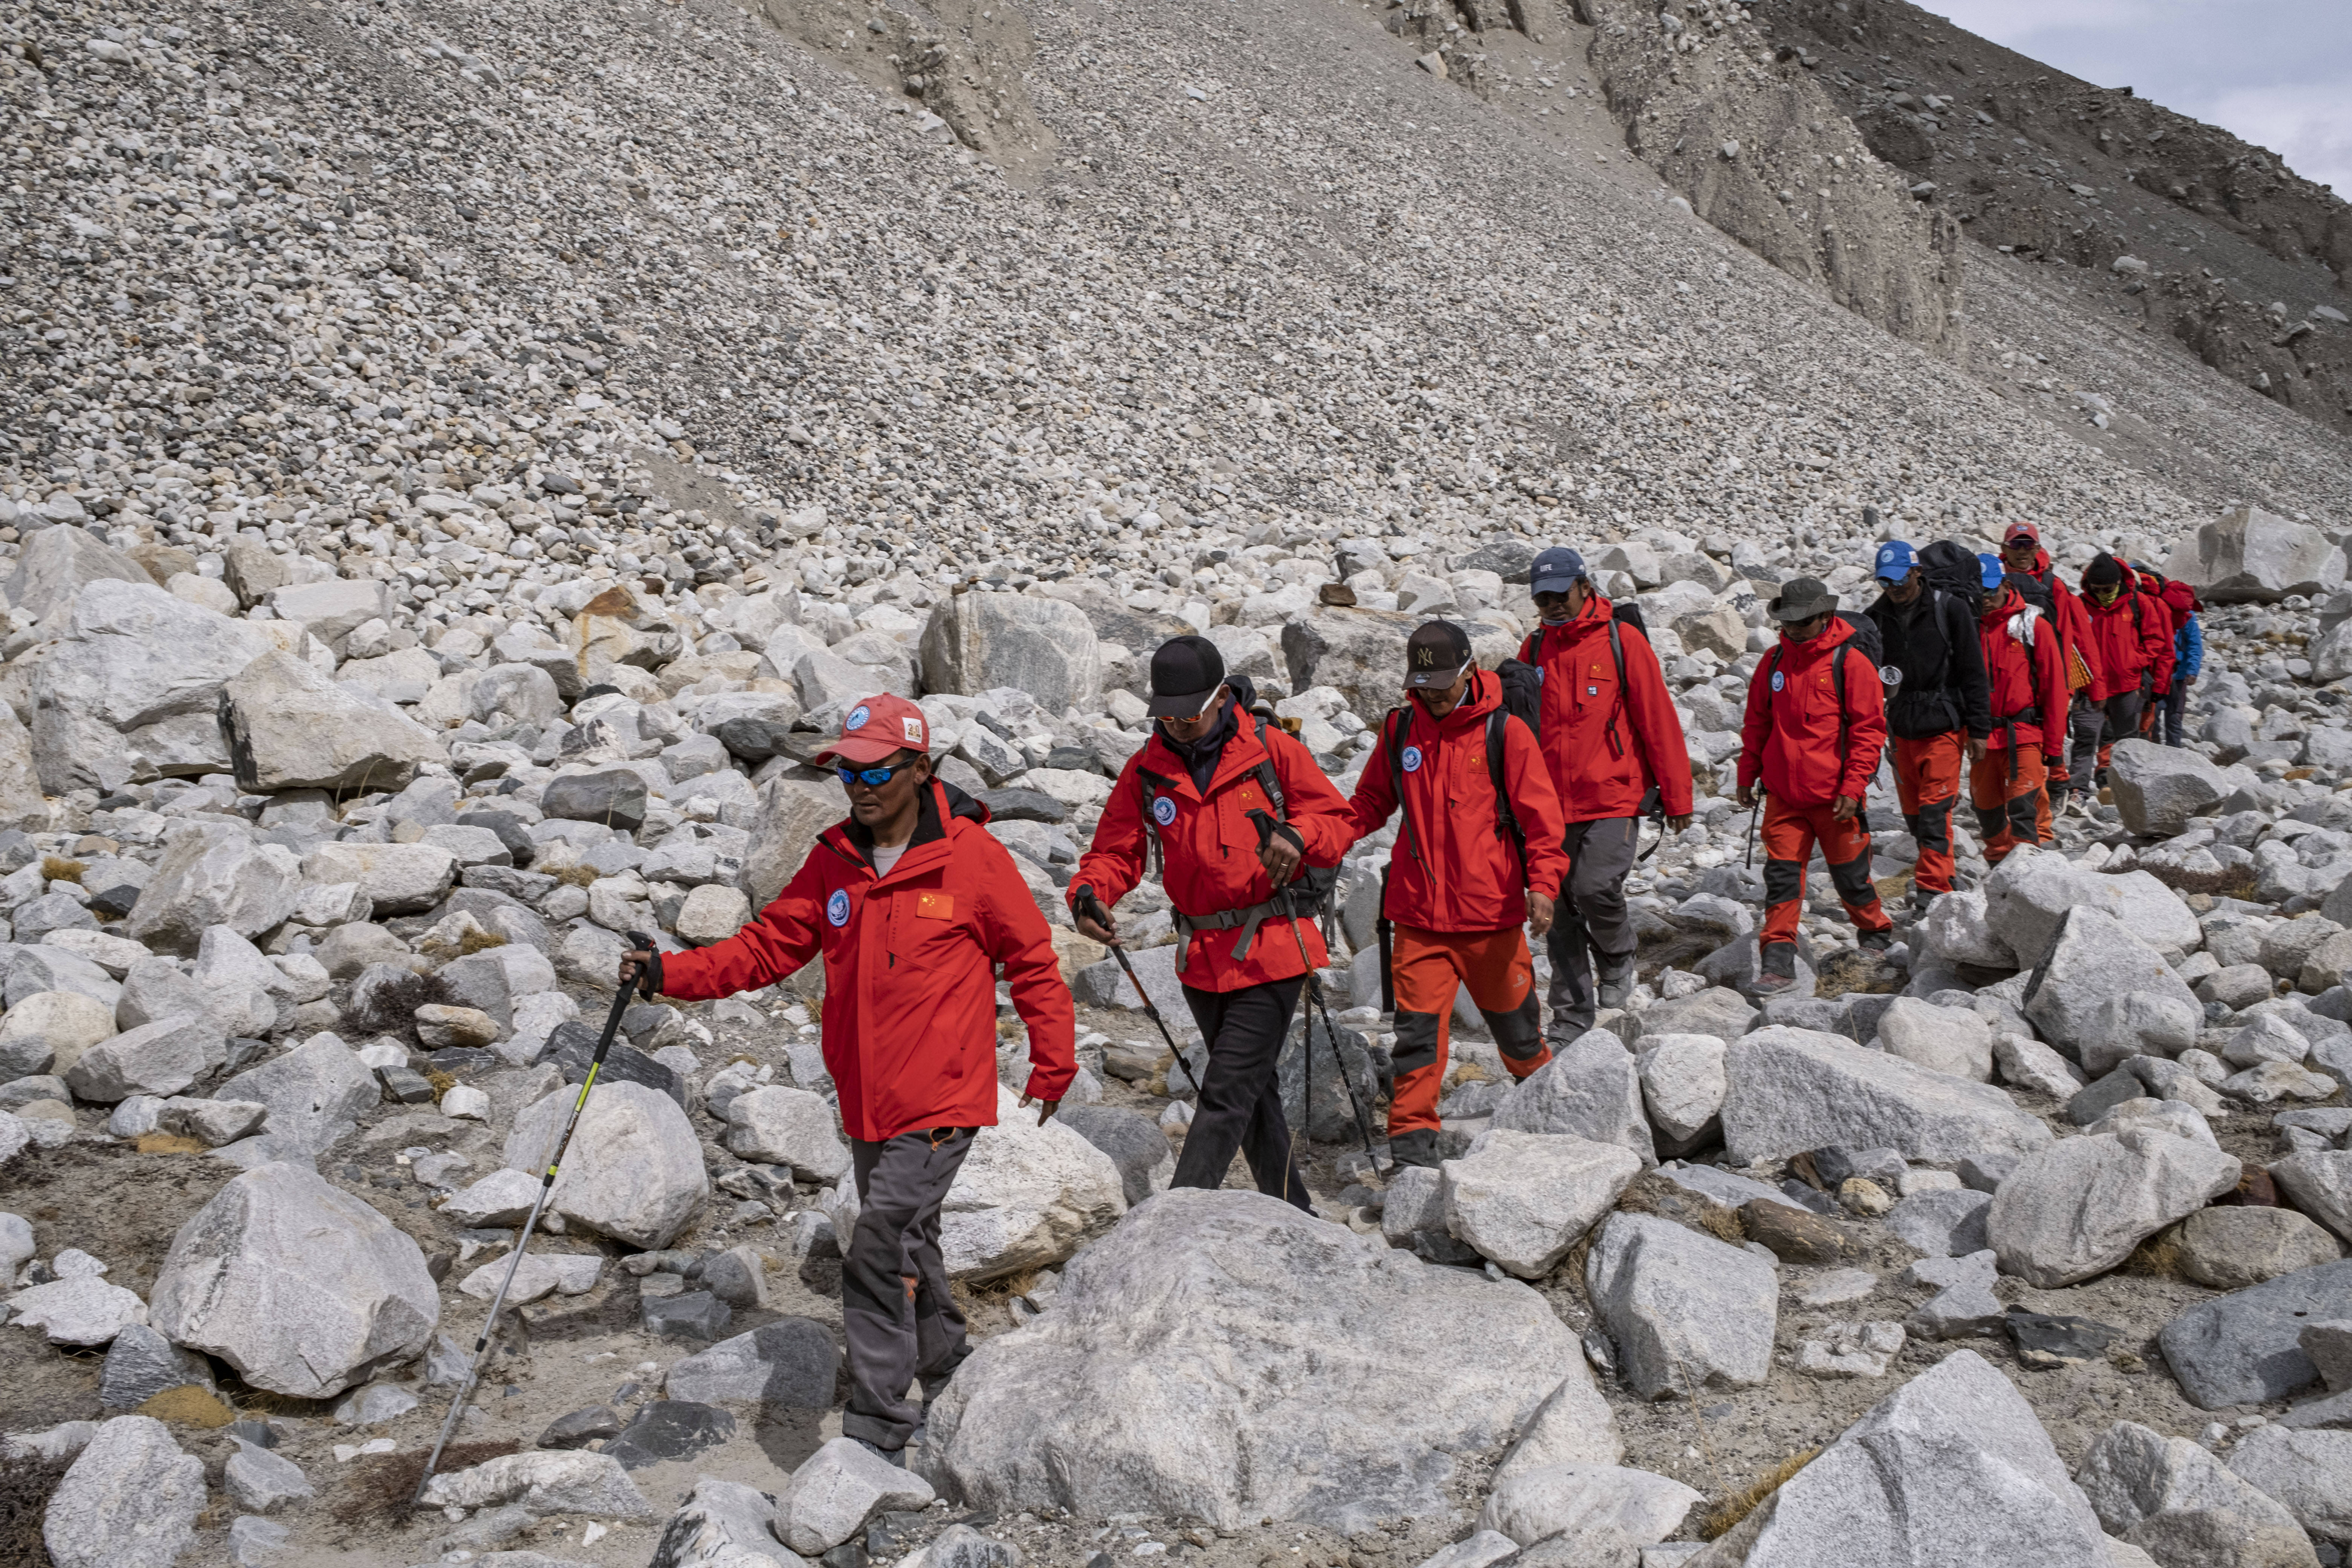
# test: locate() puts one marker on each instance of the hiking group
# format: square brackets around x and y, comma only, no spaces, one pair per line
[1521,793]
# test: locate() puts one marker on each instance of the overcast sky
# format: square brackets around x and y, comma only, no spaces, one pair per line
[2276,72]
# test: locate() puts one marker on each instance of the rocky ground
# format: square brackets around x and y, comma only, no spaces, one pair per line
[462,462]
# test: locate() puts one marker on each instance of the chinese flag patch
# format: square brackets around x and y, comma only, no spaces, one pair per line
[935,906]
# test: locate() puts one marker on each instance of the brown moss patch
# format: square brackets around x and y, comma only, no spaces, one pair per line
[576,876]
[167,1143]
[386,1485]
[58,869]
[475,941]
[442,1082]
[1725,1517]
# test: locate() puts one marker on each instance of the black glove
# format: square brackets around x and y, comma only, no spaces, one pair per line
[649,973]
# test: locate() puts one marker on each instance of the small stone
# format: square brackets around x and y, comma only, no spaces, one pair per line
[581,1427]
[2047,1339]
[669,1429]
[694,1315]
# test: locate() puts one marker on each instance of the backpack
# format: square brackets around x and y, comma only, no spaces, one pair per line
[1506,820]
[1865,638]
[1949,568]
[2033,591]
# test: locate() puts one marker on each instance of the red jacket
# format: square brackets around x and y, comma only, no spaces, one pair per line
[2133,637]
[1454,869]
[1605,747]
[910,971]
[2074,623]
[2171,600]
[1211,849]
[2025,669]
[1790,735]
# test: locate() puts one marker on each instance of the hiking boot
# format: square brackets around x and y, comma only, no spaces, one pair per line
[895,1458]
[1418,1147]
[1616,980]
[1776,969]
[1874,941]
[1922,900]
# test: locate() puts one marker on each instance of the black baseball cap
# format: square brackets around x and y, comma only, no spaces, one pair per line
[1184,671]
[1434,654]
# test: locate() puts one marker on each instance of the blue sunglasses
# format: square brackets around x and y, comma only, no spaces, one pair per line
[877,778]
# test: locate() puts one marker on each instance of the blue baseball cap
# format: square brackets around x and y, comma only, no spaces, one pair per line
[1895,560]
[1556,571]
[1994,572]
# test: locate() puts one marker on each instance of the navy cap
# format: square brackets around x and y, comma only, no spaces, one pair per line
[1895,560]
[1994,572]
[1185,671]
[1556,571]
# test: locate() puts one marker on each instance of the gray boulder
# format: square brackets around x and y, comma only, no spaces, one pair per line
[974,642]
[1683,1085]
[262,1482]
[544,1481]
[787,1365]
[793,809]
[130,1500]
[1687,1312]
[633,1171]
[1795,1090]
[1168,1378]
[2319,1183]
[56,564]
[2078,1208]
[214,876]
[2245,1348]
[1523,1199]
[291,727]
[1359,653]
[2178,1503]
[315,1093]
[21,801]
[1950,1468]
[2158,788]
[396,878]
[2031,891]
[1134,1143]
[141,1363]
[159,1058]
[1568,1503]
[2093,960]
[1942,1040]
[2310,1473]
[333,610]
[779,1126]
[722,1524]
[2252,556]
[301,1287]
[1025,1195]
[836,1490]
[1591,1088]
[2231,1246]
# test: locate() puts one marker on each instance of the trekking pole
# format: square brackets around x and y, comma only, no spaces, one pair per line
[1748,862]
[1288,909]
[1094,912]
[643,981]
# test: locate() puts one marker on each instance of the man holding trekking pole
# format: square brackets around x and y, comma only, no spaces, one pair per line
[914,906]
[1247,831]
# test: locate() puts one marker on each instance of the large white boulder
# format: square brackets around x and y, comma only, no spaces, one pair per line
[290,727]
[1523,1199]
[633,1171]
[1592,1087]
[1025,1195]
[2078,1208]
[302,1288]
[2183,1508]
[974,642]
[1687,1311]
[2158,788]
[2092,962]
[780,1126]
[214,876]
[1223,1356]
[1795,1090]
[129,1501]
[2031,891]
[2252,556]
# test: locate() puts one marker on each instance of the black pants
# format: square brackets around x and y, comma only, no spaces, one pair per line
[2085,722]
[2174,700]
[1590,915]
[897,1312]
[1241,1093]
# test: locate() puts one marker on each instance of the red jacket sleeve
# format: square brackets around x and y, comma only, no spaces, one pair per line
[775,945]
[2049,691]
[1659,733]
[1312,804]
[1537,805]
[1375,797]
[1016,936]
[1865,736]
[1755,726]
[2155,639]
[1113,864]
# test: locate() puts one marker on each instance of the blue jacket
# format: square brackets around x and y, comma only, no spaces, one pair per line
[2188,648]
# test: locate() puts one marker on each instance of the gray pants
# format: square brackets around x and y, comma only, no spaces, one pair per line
[2085,722]
[1592,915]
[897,1313]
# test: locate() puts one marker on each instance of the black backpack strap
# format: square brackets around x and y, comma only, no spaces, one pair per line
[1392,748]
[1267,779]
[1506,821]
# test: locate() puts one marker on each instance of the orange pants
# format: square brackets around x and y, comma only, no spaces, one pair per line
[1789,834]
[2011,811]
[1426,968]
[1927,783]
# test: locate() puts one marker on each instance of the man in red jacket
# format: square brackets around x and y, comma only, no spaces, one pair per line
[2027,675]
[1197,794]
[914,905]
[2023,556]
[1816,722]
[2153,586]
[1615,751]
[1471,864]
[2133,636]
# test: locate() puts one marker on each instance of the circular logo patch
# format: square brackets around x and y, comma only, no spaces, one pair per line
[1889,675]
[1779,680]
[836,907]
[1163,810]
[857,721]
[1412,758]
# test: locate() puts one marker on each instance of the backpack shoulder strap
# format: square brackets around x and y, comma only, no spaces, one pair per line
[1393,747]
[1535,646]
[1506,820]
[1837,685]
[1268,779]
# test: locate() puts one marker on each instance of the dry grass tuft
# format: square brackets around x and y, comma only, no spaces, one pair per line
[2233,882]
[190,1405]
[1467,1072]
[998,1292]
[24,1488]
[167,1143]
[58,869]
[1725,1517]
[383,1490]
[442,1082]
[2160,1255]
[475,941]
[576,876]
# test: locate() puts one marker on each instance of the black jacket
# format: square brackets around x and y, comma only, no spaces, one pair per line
[1933,641]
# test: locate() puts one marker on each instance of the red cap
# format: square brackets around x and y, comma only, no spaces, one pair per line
[877,727]
[2018,530]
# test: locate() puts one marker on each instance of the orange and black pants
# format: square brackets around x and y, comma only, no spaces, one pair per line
[1428,967]
[1927,784]
[1789,834]
[2012,805]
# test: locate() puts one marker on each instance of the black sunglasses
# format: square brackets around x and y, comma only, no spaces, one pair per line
[877,778]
